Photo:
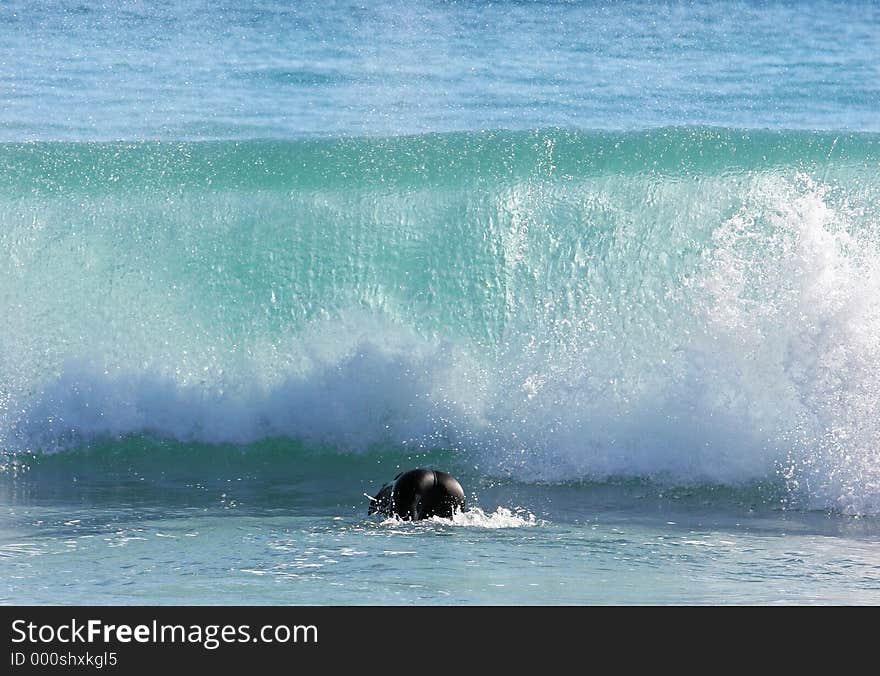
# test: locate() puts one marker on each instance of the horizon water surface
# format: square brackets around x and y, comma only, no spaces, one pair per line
[616,267]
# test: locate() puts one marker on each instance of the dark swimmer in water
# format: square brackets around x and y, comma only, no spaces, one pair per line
[419,494]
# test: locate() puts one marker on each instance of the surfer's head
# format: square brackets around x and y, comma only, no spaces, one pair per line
[419,494]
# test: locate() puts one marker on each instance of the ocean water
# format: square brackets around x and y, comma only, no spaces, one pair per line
[615,266]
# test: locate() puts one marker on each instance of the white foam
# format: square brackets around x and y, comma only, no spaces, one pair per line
[793,336]
[475,517]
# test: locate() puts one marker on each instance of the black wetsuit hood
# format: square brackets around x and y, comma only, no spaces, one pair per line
[419,494]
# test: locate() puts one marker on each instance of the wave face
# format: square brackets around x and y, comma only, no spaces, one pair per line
[692,305]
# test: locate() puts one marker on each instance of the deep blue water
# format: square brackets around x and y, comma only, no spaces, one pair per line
[188,70]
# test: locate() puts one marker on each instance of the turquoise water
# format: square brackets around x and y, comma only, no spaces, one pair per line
[617,268]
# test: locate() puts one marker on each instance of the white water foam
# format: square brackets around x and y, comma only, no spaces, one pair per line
[475,517]
[794,315]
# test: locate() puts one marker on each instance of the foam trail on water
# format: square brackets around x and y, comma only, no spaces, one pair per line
[476,517]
